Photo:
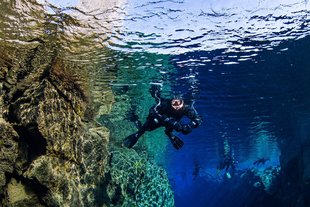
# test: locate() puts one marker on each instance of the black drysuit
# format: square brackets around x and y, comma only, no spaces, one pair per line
[164,115]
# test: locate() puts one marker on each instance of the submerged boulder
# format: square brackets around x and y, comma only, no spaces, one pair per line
[135,181]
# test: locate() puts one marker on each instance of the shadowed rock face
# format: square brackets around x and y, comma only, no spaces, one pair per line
[295,161]
[47,152]
[8,151]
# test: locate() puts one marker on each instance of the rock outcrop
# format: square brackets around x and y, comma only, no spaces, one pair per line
[295,161]
[135,181]
[47,151]
[8,151]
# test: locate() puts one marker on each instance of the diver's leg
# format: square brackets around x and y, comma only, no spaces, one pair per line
[168,132]
[131,140]
[176,141]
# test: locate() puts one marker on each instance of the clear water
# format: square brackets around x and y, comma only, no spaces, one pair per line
[244,62]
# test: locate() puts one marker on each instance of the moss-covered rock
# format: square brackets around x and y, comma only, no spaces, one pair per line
[8,151]
[19,195]
[137,182]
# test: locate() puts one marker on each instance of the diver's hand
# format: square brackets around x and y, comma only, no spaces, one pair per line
[171,122]
[159,118]
[186,129]
[177,126]
[195,123]
[156,117]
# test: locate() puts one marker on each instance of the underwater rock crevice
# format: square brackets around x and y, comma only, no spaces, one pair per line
[34,140]
[109,192]
[23,190]
[63,95]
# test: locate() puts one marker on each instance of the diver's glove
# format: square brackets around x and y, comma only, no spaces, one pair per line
[177,126]
[195,123]
[171,122]
[155,116]
[186,129]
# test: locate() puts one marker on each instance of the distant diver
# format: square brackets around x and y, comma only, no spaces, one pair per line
[196,170]
[226,163]
[260,161]
[167,113]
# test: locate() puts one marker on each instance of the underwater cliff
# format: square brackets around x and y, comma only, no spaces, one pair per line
[52,151]
[75,79]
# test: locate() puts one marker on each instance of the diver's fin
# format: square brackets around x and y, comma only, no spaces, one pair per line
[131,140]
[177,142]
[228,175]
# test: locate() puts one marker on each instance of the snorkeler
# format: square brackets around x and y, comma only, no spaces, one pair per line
[261,161]
[167,113]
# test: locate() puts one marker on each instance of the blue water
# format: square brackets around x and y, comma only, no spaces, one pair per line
[252,106]
[246,66]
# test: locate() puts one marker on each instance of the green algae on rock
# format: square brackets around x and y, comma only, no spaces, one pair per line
[135,181]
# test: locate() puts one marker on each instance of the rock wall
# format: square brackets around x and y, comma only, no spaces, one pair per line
[49,155]
[52,152]
[54,81]
[295,161]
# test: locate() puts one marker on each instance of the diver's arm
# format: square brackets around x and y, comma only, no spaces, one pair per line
[165,120]
[195,120]
[156,111]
